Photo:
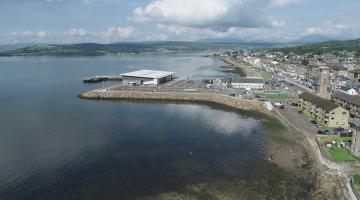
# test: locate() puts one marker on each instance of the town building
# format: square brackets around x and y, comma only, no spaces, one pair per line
[349,91]
[324,83]
[348,102]
[354,75]
[147,77]
[324,111]
[249,83]
[355,143]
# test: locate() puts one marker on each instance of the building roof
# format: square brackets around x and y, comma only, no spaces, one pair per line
[148,74]
[356,128]
[355,70]
[248,80]
[327,105]
[345,88]
[347,98]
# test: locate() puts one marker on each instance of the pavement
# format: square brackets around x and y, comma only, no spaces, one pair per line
[190,86]
[298,120]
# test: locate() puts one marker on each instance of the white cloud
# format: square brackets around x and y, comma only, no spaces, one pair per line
[75,35]
[328,28]
[284,2]
[121,32]
[46,1]
[179,32]
[206,13]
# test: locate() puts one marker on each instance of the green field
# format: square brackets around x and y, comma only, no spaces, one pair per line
[265,75]
[339,154]
[335,138]
[357,182]
[276,96]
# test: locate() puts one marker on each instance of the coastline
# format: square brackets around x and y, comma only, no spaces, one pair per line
[246,71]
[232,102]
[289,148]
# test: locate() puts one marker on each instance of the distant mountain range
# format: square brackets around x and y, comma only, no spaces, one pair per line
[11,47]
[304,40]
[312,39]
[309,43]
[94,49]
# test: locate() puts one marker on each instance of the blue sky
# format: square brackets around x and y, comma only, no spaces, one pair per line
[107,21]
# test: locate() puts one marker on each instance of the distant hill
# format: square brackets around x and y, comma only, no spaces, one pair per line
[324,47]
[10,47]
[311,39]
[222,40]
[95,49]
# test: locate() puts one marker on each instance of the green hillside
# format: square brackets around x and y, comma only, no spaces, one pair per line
[94,49]
[324,47]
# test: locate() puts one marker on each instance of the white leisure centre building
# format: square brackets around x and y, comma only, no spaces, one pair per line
[147,77]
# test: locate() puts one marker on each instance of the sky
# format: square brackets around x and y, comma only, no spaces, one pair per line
[109,21]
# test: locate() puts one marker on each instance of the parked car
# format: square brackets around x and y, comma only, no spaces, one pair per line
[279,105]
[339,129]
[313,121]
[294,104]
[321,132]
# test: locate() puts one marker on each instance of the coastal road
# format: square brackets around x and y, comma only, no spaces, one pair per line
[300,86]
[298,120]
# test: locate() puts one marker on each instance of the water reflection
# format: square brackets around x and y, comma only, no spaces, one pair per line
[54,145]
[220,122]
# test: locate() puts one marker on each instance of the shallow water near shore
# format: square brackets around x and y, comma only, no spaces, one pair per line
[54,145]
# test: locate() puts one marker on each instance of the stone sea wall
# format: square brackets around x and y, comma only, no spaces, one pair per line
[229,101]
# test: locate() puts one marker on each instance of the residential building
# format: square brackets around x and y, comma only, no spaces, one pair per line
[324,111]
[348,102]
[354,75]
[349,91]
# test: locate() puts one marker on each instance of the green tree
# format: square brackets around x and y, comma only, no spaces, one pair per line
[305,62]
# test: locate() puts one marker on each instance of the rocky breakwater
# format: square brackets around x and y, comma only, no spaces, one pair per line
[229,101]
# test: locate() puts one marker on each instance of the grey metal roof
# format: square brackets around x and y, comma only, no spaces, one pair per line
[247,80]
[148,74]
[347,98]
[327,105]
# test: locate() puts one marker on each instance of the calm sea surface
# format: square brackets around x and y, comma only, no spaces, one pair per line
[54,145]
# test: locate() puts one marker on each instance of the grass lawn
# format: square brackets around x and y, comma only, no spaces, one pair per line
[357,182]
[335,138]
[265,75]
[339,154]
[276,96]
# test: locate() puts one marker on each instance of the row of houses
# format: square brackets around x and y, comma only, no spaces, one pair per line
[348,102]
[324,111]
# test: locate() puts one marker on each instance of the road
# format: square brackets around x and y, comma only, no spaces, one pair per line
[298,120]
[302,87]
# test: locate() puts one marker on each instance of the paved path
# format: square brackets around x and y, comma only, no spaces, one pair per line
[298,120]
[302,87]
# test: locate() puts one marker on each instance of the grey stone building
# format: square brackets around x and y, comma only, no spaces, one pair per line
[355,144]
